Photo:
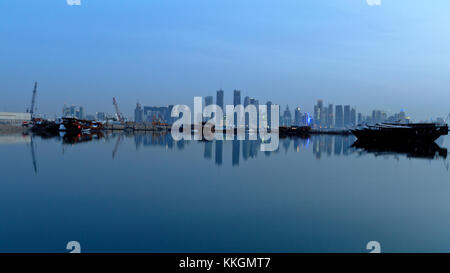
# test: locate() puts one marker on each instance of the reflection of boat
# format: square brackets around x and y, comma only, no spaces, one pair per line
[294,131]
[75,125]
[429,150]
[392,132]
[70,138]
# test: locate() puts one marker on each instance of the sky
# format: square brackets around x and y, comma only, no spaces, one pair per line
[371,54]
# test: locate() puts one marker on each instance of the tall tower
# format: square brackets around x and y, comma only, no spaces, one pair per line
[347,119]
[138,113]
[339,116]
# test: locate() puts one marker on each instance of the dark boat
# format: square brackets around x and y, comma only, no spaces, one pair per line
[403,133]
[76,126]
[42,125]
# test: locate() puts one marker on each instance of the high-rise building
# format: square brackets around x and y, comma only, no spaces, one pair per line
[339,120]
[298,119]
[353,117]
[287,117]
[208,100]
[236,101]
[360,118]
[72,110]
[82,113]
[330,119]
[219,98]
[236,97]
[138,113]
[269,114]
[319,119]
[220,103]
[101,116]
[347,121]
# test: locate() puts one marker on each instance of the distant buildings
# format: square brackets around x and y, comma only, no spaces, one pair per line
[73,111]
[339,120]
[158,113]
[330,119]
[100,116]
[138,113]
[347,121]
[287,117]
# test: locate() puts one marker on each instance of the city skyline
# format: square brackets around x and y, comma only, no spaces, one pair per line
[346,52]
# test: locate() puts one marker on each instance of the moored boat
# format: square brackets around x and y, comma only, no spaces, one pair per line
[393,132]
[75,125]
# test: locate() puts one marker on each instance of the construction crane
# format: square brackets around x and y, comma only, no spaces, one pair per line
[118,114]
[33,101]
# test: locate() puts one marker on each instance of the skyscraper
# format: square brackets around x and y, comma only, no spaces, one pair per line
[330,119]
[220,103]
[353,117]
[269,114]
[298,117]
[347,121]
[138,113]
[339,117]
[236,97]
[319,117]
[236,101]
[81,112]
[208,101]
[219,98]
[287,117]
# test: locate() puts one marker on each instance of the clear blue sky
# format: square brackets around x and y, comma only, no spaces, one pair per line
[392,56]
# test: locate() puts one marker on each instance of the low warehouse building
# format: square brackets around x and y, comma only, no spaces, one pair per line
[14,118]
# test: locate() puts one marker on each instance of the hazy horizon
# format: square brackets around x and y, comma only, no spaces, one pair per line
[389,57]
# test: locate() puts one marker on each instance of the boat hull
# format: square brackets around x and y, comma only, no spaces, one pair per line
[405,133]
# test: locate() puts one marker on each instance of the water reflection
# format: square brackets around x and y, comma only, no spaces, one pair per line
[322,146]
[424,150]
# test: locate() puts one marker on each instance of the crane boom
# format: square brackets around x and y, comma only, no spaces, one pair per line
[33,101]
[116,107]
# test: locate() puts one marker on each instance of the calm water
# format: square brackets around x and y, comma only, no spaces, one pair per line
[147,193]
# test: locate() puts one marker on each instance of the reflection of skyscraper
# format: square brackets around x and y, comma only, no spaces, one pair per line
[286,143]
[339,117]
[345,145]
[219,152]
[208,150]
[253,148]
[337,145]
[246,148]
[235,152]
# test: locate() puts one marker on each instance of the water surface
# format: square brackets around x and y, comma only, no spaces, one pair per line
[148,193]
